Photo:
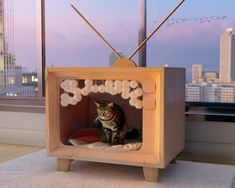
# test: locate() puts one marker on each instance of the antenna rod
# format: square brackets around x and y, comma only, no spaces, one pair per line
[106,42]
[154,31]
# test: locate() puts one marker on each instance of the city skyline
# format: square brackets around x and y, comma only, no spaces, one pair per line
[7,56]
[13,80]
[209,86]
[70,41]
[226,71]
[184,40]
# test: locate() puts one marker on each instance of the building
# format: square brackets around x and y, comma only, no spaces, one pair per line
[227,56]
[30,79]
[28,91]
[220,93]
[26,84]
[196,73]
[195,92]
[227,93]
[11,76]
[210,92]
[210,76]
[7,60]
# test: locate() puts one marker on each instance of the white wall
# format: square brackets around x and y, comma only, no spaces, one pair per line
[22,128]
[210,141]
[205,140]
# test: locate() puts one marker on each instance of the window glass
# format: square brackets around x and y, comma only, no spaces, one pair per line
[18,74]
[198,37]
[71,42]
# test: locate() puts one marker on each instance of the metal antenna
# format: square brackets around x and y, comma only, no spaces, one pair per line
[155,30]
[92,27]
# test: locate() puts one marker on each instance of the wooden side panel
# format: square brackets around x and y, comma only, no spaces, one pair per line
[174,113]
[52,112]
[159,116]
[149,132]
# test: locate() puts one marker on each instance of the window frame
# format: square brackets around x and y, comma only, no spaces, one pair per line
[32,104]
[193,110]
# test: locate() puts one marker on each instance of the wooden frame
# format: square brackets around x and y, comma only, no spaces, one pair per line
[163,117]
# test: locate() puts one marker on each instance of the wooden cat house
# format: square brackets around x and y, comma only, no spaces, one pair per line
[153,100]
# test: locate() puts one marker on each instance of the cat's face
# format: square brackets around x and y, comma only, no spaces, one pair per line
[104,109]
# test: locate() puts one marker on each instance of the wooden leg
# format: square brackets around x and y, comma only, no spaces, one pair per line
[151,174]
[63,164]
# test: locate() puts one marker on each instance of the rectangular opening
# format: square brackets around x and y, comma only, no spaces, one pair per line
[77,119]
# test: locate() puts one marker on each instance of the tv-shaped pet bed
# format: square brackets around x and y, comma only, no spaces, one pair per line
[160,116]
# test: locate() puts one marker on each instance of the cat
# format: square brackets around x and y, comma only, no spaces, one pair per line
[112,119]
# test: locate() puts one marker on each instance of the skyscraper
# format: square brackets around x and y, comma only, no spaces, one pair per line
[196,73]
[7,60]
[227,56]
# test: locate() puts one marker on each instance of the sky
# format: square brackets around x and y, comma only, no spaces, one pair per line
[190,36]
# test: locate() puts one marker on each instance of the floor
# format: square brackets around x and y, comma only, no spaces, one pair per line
[10,152]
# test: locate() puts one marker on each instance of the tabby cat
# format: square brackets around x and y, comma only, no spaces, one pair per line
[112,119]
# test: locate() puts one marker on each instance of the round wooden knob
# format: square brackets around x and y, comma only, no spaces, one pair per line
[123,62]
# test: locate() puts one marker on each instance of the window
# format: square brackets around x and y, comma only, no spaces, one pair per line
[21,55]
[18,48]
[70,42]
[190,39]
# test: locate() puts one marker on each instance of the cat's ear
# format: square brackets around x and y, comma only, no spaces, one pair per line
[97,103]
[110,104]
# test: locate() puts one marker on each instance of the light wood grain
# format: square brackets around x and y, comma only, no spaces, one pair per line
[63,164]
[162,123]
[124,63]
[148,86]
[149,101]
[151,174]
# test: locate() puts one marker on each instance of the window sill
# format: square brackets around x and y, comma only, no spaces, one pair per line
[199,111]
[17,104]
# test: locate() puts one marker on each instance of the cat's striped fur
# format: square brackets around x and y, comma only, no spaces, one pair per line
[112,119]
